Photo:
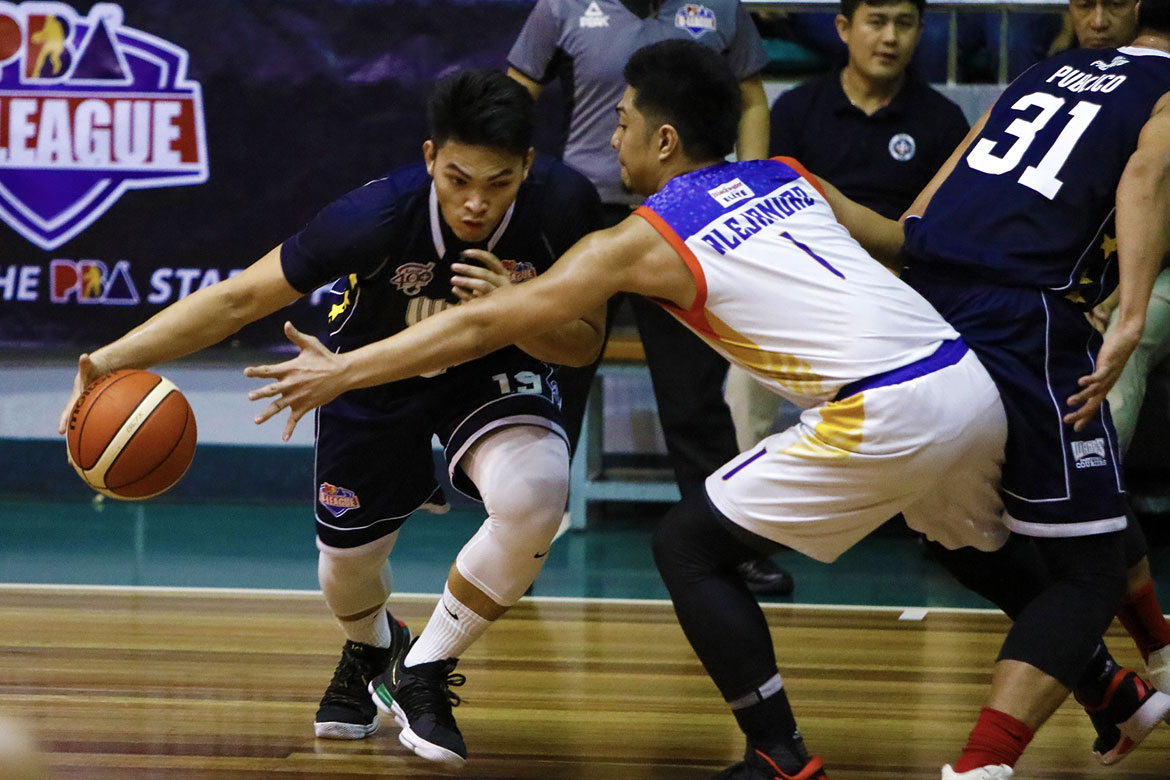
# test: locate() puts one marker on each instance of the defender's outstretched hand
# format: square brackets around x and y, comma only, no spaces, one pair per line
[87,372]
[302,384]
[1111,359]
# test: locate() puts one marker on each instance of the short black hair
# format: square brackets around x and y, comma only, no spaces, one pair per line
[689,86]
[849,7]
[1154,15]
[482,108]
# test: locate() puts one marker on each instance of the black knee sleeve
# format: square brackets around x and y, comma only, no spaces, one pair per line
[694,540]
[1009,578]
[1059,630]
[696,553]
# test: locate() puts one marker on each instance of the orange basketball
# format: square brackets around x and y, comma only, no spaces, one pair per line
[131,435]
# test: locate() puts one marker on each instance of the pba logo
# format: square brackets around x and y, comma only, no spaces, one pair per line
[91,281]
[89,109]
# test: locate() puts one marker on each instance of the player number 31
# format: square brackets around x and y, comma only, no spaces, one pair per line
[1041,176]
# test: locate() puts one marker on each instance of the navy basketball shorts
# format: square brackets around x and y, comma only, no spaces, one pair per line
[373,461]
[1036,345]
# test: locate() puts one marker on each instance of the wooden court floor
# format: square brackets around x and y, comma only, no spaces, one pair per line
[209,685]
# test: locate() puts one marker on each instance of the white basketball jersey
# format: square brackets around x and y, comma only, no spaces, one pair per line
[783,289]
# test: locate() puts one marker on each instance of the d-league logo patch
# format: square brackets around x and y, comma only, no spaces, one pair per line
[337,500]
[519,271]
[695,19]
[593,17]
[1088,454]
[89,109]
[902,147]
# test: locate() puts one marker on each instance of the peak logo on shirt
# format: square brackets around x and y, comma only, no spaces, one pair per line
[594,17]
[695,19]
[730,193]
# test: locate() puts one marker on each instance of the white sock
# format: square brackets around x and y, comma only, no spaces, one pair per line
[373,629]
[453,627]
[353,581]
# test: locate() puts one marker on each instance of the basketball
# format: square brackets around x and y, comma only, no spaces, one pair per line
[131,435]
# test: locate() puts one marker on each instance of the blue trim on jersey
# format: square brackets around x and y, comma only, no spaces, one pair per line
[948,354]
[690,202]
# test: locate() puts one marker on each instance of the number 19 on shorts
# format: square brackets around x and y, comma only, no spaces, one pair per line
[520,382]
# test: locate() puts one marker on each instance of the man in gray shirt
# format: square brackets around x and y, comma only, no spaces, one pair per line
[585,44]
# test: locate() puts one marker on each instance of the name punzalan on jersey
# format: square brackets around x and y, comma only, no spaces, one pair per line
[745,223]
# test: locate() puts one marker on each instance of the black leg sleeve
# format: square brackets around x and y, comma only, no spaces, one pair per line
[696,556]
[1009,578]
[1060,629]
[1136,547]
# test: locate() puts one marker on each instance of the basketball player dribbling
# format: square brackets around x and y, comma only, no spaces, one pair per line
[479,215]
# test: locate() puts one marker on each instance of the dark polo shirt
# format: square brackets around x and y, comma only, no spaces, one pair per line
[882,161]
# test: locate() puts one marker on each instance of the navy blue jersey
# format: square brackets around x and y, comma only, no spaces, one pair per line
[391,252]
[1031,202]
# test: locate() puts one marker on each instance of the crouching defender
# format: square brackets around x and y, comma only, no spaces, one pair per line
[899,415]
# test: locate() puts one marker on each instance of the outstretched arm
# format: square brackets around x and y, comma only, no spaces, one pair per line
[573,343]
[1143,238]
[203,318]
[576,285]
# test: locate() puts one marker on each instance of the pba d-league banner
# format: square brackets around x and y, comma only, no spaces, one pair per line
[149,148]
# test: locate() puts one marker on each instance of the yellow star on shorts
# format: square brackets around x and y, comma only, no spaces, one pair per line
[1109,245]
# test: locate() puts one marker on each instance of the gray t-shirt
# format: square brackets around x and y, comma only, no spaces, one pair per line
[591,40]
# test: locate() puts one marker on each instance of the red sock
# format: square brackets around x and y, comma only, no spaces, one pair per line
[1143,619]
[997,738]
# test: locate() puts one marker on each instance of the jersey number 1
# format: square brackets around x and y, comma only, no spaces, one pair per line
[1042,176]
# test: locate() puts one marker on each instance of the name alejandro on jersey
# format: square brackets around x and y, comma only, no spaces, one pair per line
[745,223]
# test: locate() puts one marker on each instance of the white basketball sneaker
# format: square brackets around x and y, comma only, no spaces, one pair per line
[997,772]
[1158,669]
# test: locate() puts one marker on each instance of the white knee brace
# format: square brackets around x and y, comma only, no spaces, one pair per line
[355,579]
[522,472]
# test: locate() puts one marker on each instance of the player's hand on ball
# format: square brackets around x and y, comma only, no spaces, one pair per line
[302,384]
[87,372]
[476,281]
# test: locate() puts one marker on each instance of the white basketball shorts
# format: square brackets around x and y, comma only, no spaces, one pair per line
[930,448]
